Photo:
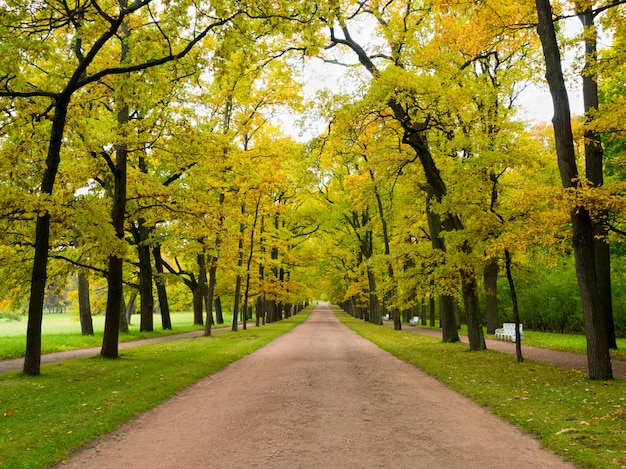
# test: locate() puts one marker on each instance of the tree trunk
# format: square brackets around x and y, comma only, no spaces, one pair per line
[145,278]
[395,314]
[164,305]
[210,295]
[594,154]
[129,309]
[84,305]
[198,301]
[199,293]
[490,274]
[237,299]
[598,357]
[115,278]
[125,313]
[431,309]
[39,275]
[475,334]
[447,320]
[219,315]
[374,305]
[249,262]
[270,306]
[110,339]
[509,276]
[261,301]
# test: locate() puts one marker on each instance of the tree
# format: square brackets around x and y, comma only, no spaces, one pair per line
[598,357]
[84,305]
[91,43]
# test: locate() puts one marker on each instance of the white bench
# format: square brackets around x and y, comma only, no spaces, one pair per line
[415,321]
[507,332]
[386,317]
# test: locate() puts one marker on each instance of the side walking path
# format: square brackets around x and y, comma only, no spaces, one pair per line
[554,357]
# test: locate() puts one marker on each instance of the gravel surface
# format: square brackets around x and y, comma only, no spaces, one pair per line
[319,396]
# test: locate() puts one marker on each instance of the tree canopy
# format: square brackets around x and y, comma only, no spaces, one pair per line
[145,144]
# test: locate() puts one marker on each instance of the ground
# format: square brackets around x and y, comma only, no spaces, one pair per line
[319,396]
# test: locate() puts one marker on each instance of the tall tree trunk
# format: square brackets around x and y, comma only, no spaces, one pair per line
[395,314]
[210,292]
[490,275]
[125,315]
[475,334]
[260,311]
[128,309]
[598,357]
[374,315]
[509,276]
[260,302]
[164,305]
[431,310]
[446,311]
[199,294]
[250,256]
[237,299]
[142,240]
[110,339]
[270,306]
[272,303]
[39,275]
[210,296]
[84,305]
[594,154]
[145,277]
[219,314]
[198,301]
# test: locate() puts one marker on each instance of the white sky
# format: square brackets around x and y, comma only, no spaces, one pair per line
[535,101]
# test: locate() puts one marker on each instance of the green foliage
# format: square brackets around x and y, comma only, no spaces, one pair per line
[579,419]
[73,402]
[548,299]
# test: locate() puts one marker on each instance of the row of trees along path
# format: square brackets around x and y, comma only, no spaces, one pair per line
[122,119]
[319,396]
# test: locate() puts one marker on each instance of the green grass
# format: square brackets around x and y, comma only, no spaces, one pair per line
[580,419]
[73,402]
[575,343]
[61,332]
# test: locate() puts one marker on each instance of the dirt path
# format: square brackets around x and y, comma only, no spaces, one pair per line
[317,397]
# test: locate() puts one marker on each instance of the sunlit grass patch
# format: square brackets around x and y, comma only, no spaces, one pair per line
[61,332]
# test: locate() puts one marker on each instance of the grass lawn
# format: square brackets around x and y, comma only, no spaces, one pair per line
[580,419]
[61,332]
[45,418]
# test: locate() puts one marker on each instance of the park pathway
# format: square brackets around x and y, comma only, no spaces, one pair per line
[319,396]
